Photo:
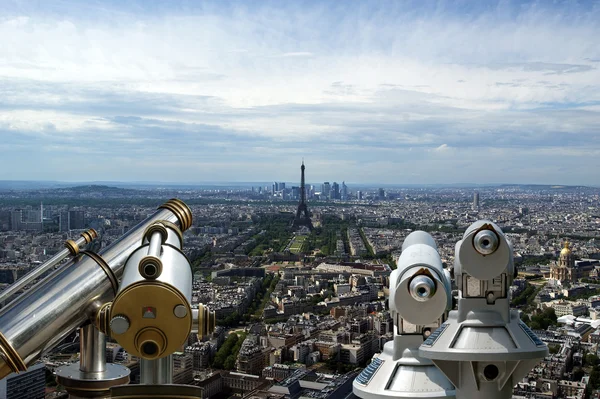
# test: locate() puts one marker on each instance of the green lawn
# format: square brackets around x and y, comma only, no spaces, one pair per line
[298,244]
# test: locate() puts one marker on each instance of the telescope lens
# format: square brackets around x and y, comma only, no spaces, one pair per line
[422,288]
[150,270]
[149,348]
[486,242]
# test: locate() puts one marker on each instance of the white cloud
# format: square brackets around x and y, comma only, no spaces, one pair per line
[298,54]
[442,148]
[312,80]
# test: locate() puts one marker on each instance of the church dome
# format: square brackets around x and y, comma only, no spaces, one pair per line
[566,251]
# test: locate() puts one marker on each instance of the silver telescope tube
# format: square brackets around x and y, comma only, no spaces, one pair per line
[72,295]
[71,248]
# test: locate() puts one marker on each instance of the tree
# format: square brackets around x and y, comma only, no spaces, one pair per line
[229,363]
[523,297]
[543,320]
[315,299]
[591,360]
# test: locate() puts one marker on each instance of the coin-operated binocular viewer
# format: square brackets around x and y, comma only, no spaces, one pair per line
[420,297]
[151,316]
[148,312]
[484,348]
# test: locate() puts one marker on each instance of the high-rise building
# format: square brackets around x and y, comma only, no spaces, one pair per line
[15,219]
[31,216]
[344,193]
[30,384]
[4,220]
[63,221]
[475,201]
[359,195]
[76,220]
[325,188]
[381,194]
[296,192]
[335,191]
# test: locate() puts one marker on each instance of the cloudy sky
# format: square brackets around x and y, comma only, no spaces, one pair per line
[369,92]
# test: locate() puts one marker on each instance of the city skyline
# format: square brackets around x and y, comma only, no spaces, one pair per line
[24,185]
[391,93]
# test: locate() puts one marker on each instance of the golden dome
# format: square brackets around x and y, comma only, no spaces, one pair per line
[565,251]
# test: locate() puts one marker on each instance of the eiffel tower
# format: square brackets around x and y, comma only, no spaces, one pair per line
[302,215]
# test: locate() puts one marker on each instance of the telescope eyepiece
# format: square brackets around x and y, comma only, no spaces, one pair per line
[149,349]
[422,288]
[150,269]
[486,242]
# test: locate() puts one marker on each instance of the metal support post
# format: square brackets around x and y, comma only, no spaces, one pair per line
[92,377]
[156,372]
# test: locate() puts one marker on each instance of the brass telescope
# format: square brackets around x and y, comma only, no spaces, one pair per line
[72,296]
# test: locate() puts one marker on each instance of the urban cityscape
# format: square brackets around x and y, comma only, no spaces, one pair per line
[391,199]
[301,299]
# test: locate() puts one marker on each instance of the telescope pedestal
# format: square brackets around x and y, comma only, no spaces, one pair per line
[159,371]
[399,372]
[156,381]
[91,385]
[482,354]
[155,391]
[92,377]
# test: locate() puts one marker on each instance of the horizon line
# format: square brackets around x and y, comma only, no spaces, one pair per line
[224,182]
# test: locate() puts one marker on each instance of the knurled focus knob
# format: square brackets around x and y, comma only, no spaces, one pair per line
[119,324]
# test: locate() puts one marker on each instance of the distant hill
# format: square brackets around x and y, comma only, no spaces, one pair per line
[19,185]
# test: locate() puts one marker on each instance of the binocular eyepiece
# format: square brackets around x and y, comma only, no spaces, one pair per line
[419,287]
[486,241]
[422,288]
[484,252]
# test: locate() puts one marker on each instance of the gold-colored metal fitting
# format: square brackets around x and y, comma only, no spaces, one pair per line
[102,320]
[150,267]
[157,227]
[89,235]
[151,304]
[181,211]
[72,247]
[205,322]
[151,343]
[11,356]
[109,273]
[175,228]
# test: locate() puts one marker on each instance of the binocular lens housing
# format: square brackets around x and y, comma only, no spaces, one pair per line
[486,242]
[422,288]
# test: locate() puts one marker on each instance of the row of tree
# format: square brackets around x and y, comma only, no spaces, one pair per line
[526,296]
[540,320]
[258,303]
[275,234]
[227,354]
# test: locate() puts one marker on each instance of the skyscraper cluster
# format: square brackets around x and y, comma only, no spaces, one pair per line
[333,191]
